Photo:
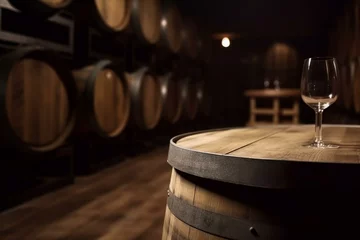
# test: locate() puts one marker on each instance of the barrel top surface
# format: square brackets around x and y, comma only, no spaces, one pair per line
[278,143]
[289,92]
[275,157]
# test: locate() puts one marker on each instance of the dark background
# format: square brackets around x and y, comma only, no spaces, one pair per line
[257,24]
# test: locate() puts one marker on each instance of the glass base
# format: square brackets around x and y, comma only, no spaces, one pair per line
[321,145]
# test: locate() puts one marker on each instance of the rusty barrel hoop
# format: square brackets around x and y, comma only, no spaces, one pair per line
[49,57]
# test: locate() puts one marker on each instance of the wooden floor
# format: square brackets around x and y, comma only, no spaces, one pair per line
[126,201]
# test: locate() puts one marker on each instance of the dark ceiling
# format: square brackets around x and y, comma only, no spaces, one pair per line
[259,18]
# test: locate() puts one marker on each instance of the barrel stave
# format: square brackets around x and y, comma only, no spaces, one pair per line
[274,214]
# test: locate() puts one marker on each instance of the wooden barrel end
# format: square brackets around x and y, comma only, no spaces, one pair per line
[40,99]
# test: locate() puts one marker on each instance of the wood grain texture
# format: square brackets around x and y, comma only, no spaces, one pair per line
[279,143]
[111,102]
[114,13]
[225,141]
[299,213]
[36,102]
[202,196]
[149,19]
[125,202]
[110,99]
[145,90]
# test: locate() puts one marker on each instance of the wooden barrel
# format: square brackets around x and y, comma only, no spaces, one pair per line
[112,16]
[171,27]
[146,101]
[189,97]
[190,43]
[281,56]
[105,99]
[262,183]
[171,98]
[281,62]
[146,17]
[38,96]
[44,8]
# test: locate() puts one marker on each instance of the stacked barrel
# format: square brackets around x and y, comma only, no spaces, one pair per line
[345,46]
[45,100]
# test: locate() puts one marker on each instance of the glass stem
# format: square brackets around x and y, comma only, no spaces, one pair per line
[318,128]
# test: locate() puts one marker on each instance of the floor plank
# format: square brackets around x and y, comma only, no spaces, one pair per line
[126,201]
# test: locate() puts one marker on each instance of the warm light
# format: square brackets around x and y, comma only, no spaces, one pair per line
[108,75]
[163,23]
[225,42]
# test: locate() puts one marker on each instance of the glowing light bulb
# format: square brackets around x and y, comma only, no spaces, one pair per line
[225,42]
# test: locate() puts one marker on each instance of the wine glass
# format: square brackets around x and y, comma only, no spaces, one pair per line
[318,91]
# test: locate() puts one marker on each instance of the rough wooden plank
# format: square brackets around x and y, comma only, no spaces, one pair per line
[222,142]
[87,209]
[137,220]
[107,208]
[60,204]
[291,145]
[154,231]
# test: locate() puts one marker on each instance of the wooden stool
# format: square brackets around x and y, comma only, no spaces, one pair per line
[276,111]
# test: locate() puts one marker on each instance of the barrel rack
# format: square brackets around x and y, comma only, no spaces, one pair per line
[25,175]
[79,43]
[18,29]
